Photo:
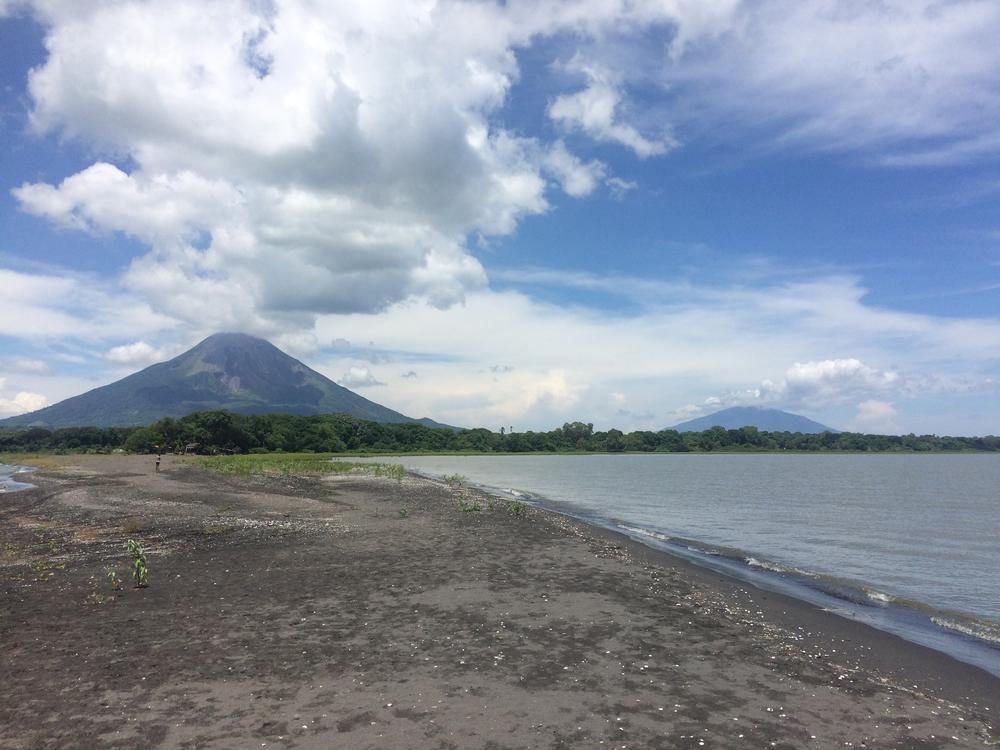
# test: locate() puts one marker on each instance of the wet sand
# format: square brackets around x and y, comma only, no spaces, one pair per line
[359,612]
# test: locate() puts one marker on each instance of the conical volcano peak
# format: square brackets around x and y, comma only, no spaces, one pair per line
[232,338]
[233,371]
[228,341]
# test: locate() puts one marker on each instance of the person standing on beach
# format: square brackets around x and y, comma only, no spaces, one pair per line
[157,463]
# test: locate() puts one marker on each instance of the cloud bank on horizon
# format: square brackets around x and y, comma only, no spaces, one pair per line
[368,185]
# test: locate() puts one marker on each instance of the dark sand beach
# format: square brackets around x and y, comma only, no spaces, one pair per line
[363,612]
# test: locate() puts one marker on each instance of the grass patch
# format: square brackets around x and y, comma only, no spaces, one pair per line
[294,464]
[454,480]
[36,460]
[515,507]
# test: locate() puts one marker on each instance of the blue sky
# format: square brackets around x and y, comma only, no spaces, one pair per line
[518,213]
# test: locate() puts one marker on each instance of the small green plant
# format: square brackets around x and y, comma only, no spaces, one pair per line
[403,512]
[454,480]
[467,507]
[515,507]
[113,579]
[140,571]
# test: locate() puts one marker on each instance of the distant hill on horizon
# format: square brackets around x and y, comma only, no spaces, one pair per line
[231,371]
[765,420]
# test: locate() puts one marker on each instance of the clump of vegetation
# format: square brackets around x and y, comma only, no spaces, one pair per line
[390,471]
[46,569]
[295,464]
[403,513]
[515,507]
[113,579]
[140,569]
[454,480]
[469,507]
[286,464]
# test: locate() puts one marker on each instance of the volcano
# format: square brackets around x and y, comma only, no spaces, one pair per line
[231,371]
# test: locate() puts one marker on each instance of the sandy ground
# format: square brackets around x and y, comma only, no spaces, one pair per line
[358,612]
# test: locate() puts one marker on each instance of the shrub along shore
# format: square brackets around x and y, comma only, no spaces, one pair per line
[211,432]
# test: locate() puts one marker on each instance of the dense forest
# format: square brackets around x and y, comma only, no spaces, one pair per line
[211,432]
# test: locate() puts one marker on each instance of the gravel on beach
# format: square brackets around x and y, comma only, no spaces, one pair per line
[354,611]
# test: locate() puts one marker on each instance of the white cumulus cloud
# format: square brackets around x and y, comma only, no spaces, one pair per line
[814,384]
[293,159]
[831,379]
[137,354]
[284,160]
[597,111]
[21,402]
[359,377]
[876,416]
[576,177]
[73,308]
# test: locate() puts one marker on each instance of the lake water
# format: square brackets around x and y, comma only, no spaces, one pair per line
[907,543]
[7,483]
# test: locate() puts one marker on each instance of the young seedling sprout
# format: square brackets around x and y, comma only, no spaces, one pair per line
[140,571]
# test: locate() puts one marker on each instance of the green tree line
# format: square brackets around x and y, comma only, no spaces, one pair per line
[224,432]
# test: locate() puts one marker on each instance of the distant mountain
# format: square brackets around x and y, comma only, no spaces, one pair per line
[765,420]
[230,371]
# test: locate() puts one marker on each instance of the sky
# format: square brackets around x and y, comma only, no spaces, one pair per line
[625,212]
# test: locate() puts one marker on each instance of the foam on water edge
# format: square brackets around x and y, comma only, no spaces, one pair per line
[972,640]
[985,631]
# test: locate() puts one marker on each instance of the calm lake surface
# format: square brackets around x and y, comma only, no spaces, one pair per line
[909,543]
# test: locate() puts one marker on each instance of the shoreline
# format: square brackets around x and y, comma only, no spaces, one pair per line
[370,612]
[970,638]
[910,662]
[953,643]
[866,646]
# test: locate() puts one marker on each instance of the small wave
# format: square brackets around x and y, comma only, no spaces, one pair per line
[878,597]
[984,631]
[753,562]
[774,567]
[646,532]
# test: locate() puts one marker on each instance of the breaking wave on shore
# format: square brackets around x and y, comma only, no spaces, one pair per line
[845,590]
